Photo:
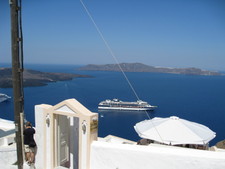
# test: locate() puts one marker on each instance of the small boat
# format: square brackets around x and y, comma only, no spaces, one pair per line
[117,104]
[4,97]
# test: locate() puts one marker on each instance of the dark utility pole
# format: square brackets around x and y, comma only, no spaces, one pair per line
[17,74]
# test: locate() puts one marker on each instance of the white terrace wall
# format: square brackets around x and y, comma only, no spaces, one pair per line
[123,156]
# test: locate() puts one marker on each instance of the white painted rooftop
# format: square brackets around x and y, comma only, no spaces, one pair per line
[117,153]
[108,155]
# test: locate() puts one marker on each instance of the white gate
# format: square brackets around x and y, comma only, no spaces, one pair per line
[64,135]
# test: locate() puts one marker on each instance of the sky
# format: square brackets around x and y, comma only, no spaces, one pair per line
[167,33]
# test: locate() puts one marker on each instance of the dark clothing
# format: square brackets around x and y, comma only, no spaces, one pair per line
[28,135]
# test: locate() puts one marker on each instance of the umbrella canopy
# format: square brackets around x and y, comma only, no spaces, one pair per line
[174,131]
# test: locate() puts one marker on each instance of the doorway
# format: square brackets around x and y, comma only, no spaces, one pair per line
[66,141]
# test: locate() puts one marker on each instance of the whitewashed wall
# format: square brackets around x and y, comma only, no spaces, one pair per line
[122,156]
[42,135]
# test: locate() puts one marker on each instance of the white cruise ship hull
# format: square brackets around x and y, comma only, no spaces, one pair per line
[117,104]
[126,108]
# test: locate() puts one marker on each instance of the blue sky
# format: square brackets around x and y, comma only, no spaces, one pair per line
[168,33]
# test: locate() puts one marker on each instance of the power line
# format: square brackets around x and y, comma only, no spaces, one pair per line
[109,48]
[114,57]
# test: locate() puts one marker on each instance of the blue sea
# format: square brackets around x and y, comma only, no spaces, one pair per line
[199,99]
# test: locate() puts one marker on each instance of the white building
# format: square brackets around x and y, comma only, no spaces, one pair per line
[66,136]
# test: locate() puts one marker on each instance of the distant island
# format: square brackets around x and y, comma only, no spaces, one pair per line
[139,67]
[35,78]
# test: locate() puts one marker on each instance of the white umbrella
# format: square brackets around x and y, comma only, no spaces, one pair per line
[174,130]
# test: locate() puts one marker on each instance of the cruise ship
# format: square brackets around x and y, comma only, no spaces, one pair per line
[117,104]
[4,97]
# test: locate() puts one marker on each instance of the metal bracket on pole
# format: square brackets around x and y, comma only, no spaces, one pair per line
[19,39]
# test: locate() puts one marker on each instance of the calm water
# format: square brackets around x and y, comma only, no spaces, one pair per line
[196,98]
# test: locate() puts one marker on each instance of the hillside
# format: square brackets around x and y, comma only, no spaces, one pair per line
[35,78]
[139,67]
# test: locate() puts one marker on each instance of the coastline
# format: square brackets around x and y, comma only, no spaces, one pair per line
[33,78]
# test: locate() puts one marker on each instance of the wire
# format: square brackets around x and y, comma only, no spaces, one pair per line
[114,57]
[20,34]
[109,48]
[21,59]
